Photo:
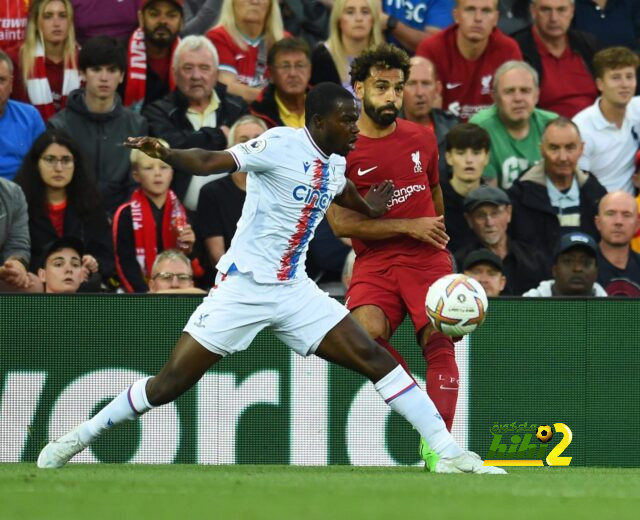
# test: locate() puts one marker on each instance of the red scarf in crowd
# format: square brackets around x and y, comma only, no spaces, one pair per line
[136,86]
[39,90]
[144,230]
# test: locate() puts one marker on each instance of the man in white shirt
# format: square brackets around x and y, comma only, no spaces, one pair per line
[294,175]
[610,128]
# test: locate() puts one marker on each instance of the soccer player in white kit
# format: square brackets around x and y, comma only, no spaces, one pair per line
[294,175]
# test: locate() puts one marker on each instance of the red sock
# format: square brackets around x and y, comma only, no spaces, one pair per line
[396,355]
[442,375]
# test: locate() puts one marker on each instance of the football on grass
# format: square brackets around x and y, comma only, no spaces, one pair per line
[456,304]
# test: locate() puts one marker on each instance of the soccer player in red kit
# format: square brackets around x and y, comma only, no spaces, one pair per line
[400,255]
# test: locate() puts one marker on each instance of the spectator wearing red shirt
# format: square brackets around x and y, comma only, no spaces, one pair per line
[561,56]
[244,34]
[13,22]
[467,54]
[45,64]
[150,53]
[63,200]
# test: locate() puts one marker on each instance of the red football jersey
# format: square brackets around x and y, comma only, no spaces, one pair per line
[243,62]
[409,158]
[466,85]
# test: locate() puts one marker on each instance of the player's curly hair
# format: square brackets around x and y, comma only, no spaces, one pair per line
[384,56]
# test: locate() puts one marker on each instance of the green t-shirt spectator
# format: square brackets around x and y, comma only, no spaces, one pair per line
[509,157]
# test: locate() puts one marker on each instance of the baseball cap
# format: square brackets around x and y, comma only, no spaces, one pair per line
[482,256]
[485,195]
[576,239]
[61,243]
[178,3]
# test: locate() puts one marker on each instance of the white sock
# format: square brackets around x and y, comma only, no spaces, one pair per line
[127,406]
[404,396]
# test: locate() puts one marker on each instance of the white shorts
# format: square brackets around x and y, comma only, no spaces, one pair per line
[237,308]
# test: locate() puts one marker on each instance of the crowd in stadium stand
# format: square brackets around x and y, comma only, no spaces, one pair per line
[533,104]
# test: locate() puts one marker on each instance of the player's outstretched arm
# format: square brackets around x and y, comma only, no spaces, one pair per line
[372,205]
[194,160]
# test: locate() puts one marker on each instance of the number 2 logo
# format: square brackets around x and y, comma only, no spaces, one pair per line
[554,458]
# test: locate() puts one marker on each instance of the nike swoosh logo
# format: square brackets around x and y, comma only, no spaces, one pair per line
[453,85]
[364,172]
[442,387]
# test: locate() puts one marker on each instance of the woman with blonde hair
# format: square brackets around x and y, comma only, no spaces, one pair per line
[45,64]
[244,34]
[353,27]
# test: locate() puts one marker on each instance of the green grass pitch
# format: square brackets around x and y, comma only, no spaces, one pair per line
[184,492]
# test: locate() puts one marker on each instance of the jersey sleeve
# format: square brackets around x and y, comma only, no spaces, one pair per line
[258,155]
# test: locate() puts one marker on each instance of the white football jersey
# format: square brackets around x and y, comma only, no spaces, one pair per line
[290,185]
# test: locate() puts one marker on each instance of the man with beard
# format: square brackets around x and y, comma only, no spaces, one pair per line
[401,254]
[150,53]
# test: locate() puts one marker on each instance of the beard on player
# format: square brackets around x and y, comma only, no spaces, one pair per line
[382,116]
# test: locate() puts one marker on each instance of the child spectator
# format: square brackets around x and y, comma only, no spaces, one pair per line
[152,221]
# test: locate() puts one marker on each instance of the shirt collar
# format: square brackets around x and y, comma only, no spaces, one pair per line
[315,146]
[555,195]
[599,121]
[212,107]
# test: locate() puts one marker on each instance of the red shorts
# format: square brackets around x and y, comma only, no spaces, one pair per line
[397,291]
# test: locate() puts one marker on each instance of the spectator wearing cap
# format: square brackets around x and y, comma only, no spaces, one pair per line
[62,270]
[561,56]
[514,122]
[488,212]
[150,51]
[575,269]
[172,274]
[467,154]
[617,221]
[555,197]
[487,268]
